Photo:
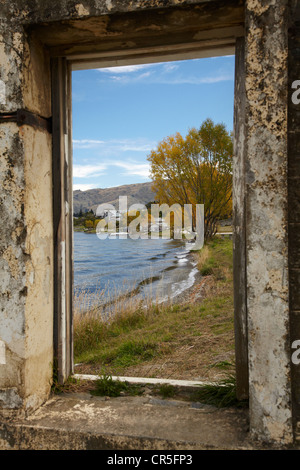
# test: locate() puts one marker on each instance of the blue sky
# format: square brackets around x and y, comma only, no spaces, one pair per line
[121,113]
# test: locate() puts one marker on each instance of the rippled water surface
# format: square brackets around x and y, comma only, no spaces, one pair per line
[161,268]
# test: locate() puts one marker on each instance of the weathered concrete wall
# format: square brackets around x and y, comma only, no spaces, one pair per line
[39,11]
[26,302]
[266,230]
[12,264]
[26,258]
[26,251]
[39,266]
[189,31]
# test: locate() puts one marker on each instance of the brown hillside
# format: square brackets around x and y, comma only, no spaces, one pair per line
[89,200]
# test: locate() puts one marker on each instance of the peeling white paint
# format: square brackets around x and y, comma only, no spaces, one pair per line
[9,399]
[2,353]
[2,92]
[81,10]
[108,5]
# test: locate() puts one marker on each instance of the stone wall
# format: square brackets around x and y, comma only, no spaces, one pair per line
[31,32]
[26,259]
[267,231]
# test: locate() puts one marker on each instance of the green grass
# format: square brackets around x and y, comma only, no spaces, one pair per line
[217,257]
[220,395]
[166,390]
[132,352]
[127,339]
[136,336]
[224,365]
[108,387]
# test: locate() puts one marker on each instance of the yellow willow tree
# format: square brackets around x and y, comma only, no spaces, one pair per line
[194,170]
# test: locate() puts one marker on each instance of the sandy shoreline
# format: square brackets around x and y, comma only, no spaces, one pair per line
[188,294]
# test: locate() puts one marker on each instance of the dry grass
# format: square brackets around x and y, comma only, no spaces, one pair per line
[224,228]
[112,321]
[191,340]
[202,257]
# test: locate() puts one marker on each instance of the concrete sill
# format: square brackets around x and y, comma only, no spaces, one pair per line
[84,422]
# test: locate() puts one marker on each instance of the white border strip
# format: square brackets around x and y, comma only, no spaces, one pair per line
[145,380]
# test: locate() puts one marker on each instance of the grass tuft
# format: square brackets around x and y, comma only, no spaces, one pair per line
[221,395]
[106,386]
[166,390]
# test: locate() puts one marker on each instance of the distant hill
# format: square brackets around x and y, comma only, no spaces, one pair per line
[89,200]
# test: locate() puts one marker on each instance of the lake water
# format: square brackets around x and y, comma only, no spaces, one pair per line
[164,267]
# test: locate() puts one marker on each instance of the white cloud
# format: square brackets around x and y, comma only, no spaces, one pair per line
[83,187]
[121,74]
[162,73]
[201,80]
[134,168]
[163,79]
[87,171]
[125,68]
[139,145]
[126,79]
[170,67]
[118,145]
[110,157]
[86,143]
[129,168]
[221,57]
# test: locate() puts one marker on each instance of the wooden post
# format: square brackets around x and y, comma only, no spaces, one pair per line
[62,218]
[239,223]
